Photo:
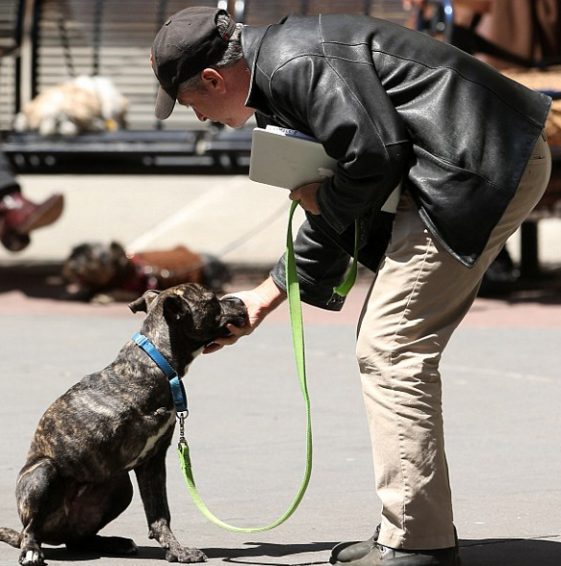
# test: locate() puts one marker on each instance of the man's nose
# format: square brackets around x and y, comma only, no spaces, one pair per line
[200,116]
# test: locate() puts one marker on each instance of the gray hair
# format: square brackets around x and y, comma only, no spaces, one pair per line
[231,56]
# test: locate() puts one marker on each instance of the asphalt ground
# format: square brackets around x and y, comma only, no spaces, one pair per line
[501,384]
[246,430]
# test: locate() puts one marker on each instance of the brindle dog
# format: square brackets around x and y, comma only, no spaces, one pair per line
[76,478]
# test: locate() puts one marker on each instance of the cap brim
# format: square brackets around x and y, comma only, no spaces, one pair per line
[165,101]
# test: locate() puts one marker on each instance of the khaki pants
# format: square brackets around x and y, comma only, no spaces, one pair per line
[418,298]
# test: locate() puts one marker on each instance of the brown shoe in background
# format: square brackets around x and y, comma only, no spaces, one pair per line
[19,216]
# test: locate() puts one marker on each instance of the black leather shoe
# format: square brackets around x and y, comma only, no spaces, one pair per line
[353,550]
[370,553]
[384,556]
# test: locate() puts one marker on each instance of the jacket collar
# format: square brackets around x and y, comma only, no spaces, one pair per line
[251,39]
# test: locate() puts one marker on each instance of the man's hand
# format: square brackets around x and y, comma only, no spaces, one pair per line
[259,303]
[306,195]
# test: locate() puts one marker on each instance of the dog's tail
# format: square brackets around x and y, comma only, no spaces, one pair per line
[13,538]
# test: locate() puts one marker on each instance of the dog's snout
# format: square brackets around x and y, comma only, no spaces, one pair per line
[234,311]
[235,301]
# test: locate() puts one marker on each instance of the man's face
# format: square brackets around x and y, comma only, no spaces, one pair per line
[219,101]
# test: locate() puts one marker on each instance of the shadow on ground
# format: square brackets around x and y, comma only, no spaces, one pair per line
[40,281]
[544,288]
[483,552]
[45,281]
[510,552]
[251,553]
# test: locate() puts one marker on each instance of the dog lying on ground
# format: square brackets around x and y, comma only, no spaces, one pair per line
[105,273]
[83,104]
[76,478]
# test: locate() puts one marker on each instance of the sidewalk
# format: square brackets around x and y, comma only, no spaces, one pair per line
[246,432]
[242,222]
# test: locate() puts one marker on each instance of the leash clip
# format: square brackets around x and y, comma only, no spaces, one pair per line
[181,416]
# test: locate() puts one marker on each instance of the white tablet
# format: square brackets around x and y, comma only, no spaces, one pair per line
[289,159]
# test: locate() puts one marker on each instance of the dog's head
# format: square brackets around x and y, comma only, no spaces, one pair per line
[95,265]
[192,312]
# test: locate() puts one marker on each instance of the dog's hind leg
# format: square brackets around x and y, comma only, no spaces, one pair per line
[151,476]
[110,499]
[31,551]
[37,489]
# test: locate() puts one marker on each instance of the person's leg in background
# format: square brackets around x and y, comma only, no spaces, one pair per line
[18,215]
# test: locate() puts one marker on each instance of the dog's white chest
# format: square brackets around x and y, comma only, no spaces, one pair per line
[151,442]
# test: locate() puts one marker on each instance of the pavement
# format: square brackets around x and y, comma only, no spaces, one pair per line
[246,430]
[228,216]
[241,221]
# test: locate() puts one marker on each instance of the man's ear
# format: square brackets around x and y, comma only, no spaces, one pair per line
[143,303]
[213,79]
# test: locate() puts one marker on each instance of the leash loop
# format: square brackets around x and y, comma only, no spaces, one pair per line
[297,327]
[293,292]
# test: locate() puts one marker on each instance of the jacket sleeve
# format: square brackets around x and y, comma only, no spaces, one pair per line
[320,264]
[338,107]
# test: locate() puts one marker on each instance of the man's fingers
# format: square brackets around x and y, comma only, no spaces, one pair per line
[294,195]
[235,333]
[237,330]
[210,348]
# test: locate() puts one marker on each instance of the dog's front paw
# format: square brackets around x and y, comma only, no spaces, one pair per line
[32,557]
[185,555]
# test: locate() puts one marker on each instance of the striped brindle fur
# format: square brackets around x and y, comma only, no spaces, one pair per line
[114,421]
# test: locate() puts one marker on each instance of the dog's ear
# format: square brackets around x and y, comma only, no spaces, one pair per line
[117,249]
[118,255]
[176,308]
[143,303]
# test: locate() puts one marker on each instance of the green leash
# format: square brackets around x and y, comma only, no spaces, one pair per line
[295,308]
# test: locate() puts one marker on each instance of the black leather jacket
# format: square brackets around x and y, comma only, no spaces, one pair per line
[391,104]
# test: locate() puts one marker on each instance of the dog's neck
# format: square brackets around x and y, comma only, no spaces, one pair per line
[178,350]
[176,387]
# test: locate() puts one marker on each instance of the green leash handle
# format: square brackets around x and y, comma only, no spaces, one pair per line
[296,322]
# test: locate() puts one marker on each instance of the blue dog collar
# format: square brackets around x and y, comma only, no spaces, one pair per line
[175,384]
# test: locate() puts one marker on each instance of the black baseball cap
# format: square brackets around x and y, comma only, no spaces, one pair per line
[186,44]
